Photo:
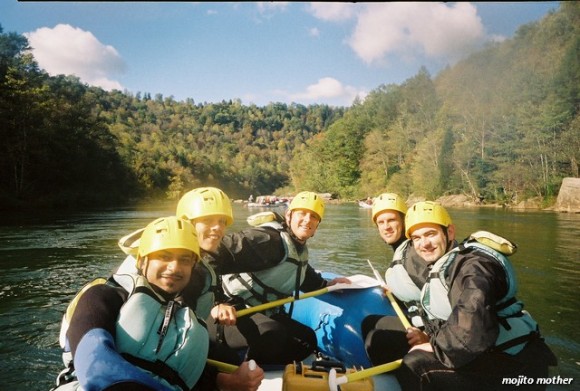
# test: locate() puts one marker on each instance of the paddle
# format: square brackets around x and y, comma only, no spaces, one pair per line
[228,368]
[334,382]
[394,304]
[358,281]
[222,366]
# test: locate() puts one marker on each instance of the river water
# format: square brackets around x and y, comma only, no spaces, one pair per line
[46,258]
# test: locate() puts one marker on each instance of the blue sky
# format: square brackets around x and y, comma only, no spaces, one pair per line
[259,52]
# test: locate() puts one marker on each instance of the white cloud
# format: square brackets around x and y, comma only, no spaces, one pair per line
[72,51]
[436,30]
[332,11]
[329,88]
[411,30]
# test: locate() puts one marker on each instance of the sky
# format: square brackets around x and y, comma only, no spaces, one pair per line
[258,52]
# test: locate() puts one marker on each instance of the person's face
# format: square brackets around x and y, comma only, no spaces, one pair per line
[210,231]
[169,270]
[430,241]
[390,225]
[303,223]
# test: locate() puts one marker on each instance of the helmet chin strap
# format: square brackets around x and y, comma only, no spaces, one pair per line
[143,261]
[447,241]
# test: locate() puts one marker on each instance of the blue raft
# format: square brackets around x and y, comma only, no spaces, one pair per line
[337,317]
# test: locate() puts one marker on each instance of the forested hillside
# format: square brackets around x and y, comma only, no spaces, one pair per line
[502,124]
[65,143]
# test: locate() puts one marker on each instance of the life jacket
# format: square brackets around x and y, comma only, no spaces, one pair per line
[402,286]
[397,277]
[274,283]
[160,336]
[129,266]
[65,323]
[517,327]
[205,302]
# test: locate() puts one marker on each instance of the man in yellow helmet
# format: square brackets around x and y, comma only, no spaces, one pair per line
[209,209]
[476,332]
[135,331]
[388,214]
[269,262]
[385,336]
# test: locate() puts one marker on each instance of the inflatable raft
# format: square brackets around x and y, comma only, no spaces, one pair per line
[336,317]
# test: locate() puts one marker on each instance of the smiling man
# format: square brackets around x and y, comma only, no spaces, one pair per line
[476,331]
[431,230]
[138,327]
[133,326]
[384,335]
[209,209]
[388,213]
[265,263]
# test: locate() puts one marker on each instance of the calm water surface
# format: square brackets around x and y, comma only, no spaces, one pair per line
[45,259]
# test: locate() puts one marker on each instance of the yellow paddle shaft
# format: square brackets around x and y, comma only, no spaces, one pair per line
[354,376]
[394,303]
[229,368]
[277,303]
[222,366]
[398,310]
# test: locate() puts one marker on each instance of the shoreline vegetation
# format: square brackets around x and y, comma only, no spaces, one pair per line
[568,200]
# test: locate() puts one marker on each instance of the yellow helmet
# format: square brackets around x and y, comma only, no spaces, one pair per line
[308,200]
[166,233]
[205,201]
[388,201]
[426,212]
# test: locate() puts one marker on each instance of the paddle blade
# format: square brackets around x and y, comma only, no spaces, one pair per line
[378,276]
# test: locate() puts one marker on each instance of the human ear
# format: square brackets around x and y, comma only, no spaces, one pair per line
[451,232]
[288,217]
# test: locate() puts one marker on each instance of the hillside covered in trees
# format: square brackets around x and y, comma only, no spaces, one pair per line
[502,124]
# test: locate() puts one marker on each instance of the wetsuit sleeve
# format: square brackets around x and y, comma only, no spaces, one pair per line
[249,250]
[98,365]
[98,307]
[472,328]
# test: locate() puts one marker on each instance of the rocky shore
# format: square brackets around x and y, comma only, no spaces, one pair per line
[569,196]
[568,200]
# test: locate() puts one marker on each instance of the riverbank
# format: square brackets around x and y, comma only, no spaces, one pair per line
[463,201]
[568,200]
